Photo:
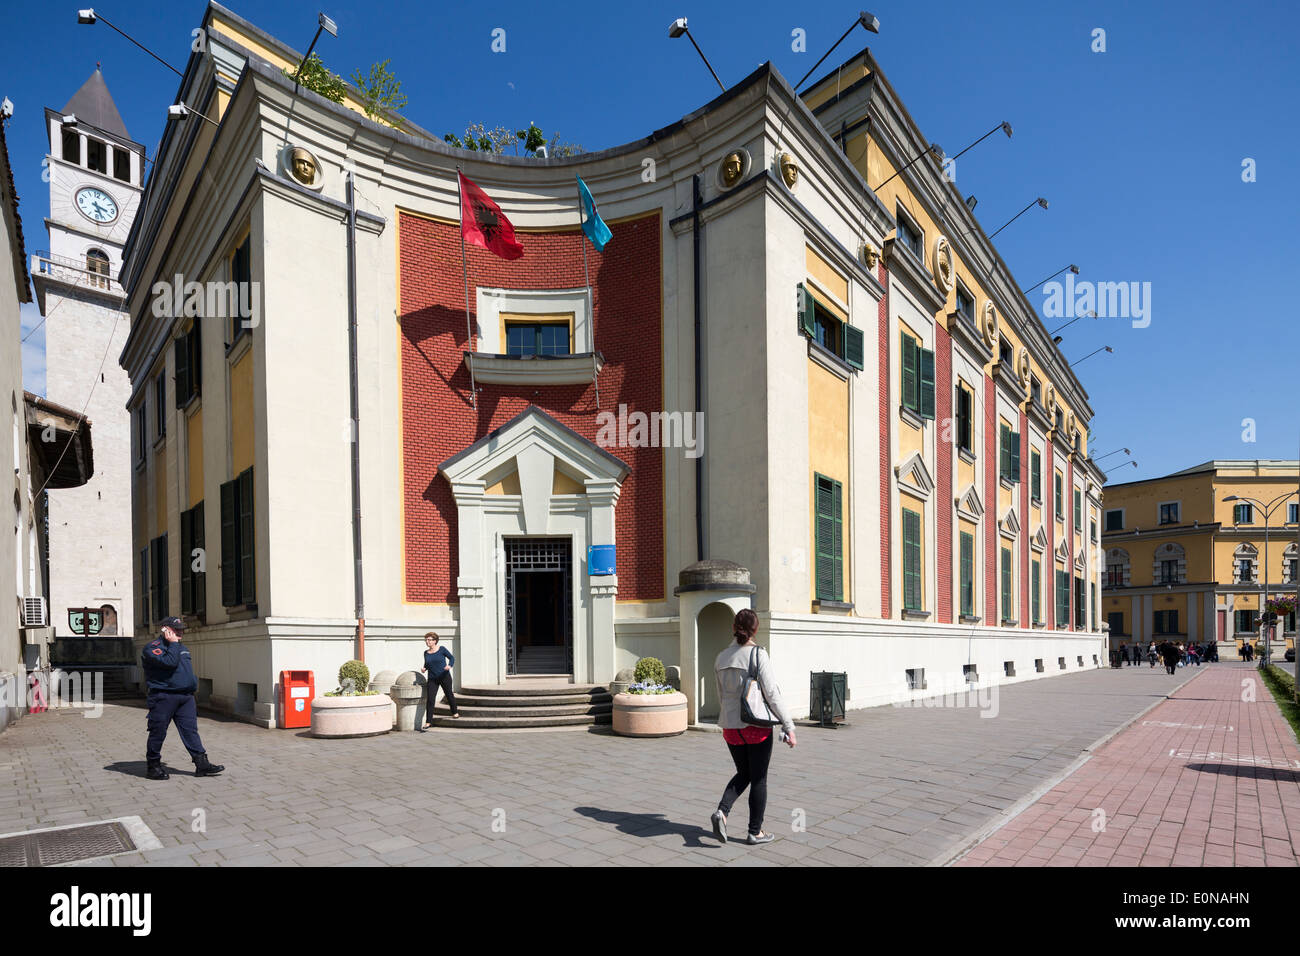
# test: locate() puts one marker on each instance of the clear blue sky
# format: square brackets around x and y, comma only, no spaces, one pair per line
[1139,149]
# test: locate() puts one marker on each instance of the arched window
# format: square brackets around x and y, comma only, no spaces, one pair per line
[1169,565]
[97,266]
[1117,568]
[1245,564]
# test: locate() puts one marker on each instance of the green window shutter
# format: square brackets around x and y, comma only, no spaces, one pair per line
[1035,582]
[911,372]
[195,343]
[1015,456]
[144,587]
[187,573]
[1004,451]
[1035,476]
[166,608]
[229,545]
[1006,584]
[807,318]
[247,539]
[1238,514]
[181,358]
[837,513]
[967,574]
[963,418]
[854,350]
[927,384]
[200,600]
[1057,505]
[825,529]
[911,560]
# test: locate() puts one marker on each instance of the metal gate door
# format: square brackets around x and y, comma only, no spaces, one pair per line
[529,555]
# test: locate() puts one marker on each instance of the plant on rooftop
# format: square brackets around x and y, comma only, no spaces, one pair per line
[316,77]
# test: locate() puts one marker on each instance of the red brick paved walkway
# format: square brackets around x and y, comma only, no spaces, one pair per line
[1202,779]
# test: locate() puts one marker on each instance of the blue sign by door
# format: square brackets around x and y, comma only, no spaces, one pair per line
[601,559]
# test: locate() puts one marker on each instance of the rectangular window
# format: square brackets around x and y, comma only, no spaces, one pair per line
[189,365]
[1009,459]
[1080,613]
[1036,390]
[241,273]
[238,577]
[158,598]
[143,614]
[96,155]
[72,146]
[910,235]
[1078,510]
[967,574]
[1289,626]
[193,580]
[1115,619]
[1243,514]
[1245,570]
[1114,520]
[141,431]
[824,327]
[918,377]
[1165,622]
[121,165]
[1062,597]
[1035,475]
[1293,513]
[160,403]
[1036,591]
[1008,613]
[1168,572]
[1092,601]
[1295,570]
[1245,622]
[537,338]
[965,431]
[830,539]
[1092,530]
[1114,575]
[911,560]
[1169,513]
[965,304]
[1060,504]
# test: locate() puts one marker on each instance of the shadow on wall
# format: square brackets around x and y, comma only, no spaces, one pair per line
[715,634]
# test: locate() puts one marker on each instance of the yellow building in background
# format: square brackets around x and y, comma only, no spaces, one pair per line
[1187,556]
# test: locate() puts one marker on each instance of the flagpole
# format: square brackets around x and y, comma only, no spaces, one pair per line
[591,299]
[464,267]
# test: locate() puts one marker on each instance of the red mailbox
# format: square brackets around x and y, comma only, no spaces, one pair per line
[297,688]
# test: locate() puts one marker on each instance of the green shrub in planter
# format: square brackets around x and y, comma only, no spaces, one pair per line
[650,670]
[359,674]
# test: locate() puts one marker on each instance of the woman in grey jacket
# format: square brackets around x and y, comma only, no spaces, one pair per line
[751,747]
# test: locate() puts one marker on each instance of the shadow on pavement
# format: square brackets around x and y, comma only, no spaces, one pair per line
[650,825]
[1277,774]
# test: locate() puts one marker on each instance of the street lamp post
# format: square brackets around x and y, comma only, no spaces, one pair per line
[1267,510]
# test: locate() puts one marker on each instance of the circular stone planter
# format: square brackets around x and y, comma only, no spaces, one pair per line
[650,715]
[363,716]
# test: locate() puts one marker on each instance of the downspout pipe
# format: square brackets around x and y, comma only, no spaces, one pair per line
[358,590]
[697,200]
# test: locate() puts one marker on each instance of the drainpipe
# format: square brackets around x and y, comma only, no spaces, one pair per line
[696,201]
[356,422]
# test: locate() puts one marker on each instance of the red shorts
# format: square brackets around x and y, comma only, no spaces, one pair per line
[746,735]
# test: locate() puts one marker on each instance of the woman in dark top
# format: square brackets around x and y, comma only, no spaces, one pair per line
[437,664]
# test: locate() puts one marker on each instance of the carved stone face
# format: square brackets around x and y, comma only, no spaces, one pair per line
[789,170]
[732,167]
[303,165]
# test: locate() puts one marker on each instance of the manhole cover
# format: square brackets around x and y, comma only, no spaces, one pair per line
[52,847]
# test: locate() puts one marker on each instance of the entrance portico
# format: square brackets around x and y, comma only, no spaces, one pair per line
[530,497]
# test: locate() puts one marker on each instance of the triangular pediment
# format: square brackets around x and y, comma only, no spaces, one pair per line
[969,504]
[1063,552]
[1010,523]
[1039,541]
[914,476]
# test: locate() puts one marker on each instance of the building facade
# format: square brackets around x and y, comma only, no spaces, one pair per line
[1188,558]
[756,368]
[96,173]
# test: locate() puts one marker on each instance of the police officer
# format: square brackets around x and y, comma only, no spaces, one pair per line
[171,681]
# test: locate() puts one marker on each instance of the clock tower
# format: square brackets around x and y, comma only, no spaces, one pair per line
[95,171]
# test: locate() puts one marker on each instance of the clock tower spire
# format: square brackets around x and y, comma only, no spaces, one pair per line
[96,175]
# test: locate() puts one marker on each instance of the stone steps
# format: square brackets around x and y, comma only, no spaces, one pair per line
[528,703]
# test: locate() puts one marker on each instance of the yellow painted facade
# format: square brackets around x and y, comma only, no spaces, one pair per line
[194,450]
[828,454]
[241,413]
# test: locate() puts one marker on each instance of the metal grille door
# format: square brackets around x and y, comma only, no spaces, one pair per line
[528,556]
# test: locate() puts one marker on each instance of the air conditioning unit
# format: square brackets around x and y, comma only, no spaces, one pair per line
[35,613]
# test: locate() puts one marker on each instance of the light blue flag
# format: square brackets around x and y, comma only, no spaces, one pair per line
[592,224]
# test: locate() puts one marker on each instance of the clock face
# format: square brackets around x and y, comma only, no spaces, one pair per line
[96,205]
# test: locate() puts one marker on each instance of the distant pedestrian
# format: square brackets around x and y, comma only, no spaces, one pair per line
[750,746]
[1152,654]
[1170,654]
[437,665]
[170,677]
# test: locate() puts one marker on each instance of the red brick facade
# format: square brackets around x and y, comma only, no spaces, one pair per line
[1070,532]
[439,420]
[943,462]
[992,566]
[1049,525]
[1022,491]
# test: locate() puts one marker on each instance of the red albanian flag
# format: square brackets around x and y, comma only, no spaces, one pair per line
[483,224]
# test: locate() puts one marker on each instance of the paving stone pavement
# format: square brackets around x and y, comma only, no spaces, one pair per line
[897,786]
[1210,777]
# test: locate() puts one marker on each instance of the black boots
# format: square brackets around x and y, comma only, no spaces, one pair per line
[156,771]
[203,768]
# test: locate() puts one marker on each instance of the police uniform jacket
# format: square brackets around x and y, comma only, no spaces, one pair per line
[167,667]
